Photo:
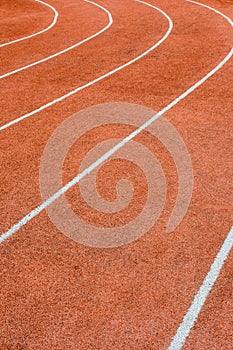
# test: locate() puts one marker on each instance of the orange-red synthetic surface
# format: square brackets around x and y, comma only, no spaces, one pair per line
[58,294]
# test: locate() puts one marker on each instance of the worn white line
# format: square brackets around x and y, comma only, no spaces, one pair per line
[200,298]
[110,21]
[73,92]
[93,166]
[41,31]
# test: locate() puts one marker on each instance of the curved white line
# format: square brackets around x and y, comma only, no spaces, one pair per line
[200,298]
[41,31]
[68,48]
[59,99]
[212,9]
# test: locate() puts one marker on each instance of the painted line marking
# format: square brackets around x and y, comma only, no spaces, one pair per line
[199,300]
[41,31]
[201,296]
[110,21]
[73,92]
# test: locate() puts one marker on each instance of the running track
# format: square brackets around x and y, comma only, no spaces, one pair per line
[57,294]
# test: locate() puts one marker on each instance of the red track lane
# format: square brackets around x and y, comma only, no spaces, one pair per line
[22,18]
[56,294]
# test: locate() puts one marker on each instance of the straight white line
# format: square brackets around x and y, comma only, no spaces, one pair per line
[49,104]
[101,160]
[200,298]
[41,31]
[110,21]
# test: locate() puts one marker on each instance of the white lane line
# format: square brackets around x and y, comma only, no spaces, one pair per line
[101,160]
[41,31]
[212,9]
[110,21]
[200,298]
[49,104]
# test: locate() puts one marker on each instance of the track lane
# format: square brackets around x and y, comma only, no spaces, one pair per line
[110,21]
[39,32]
[61,257]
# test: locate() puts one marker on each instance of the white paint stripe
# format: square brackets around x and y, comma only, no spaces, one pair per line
[101,160]
[212,9]
[41,31]
[110,21]
[49,104]
[200,298]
